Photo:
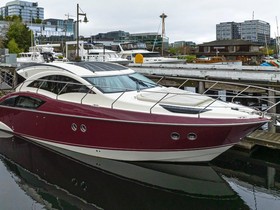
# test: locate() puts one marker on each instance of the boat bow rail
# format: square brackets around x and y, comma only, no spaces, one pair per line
[177,100]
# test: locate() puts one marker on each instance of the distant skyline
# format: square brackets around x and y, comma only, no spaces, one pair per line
[186,20]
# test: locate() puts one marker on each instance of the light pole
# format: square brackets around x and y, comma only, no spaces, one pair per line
[77,25]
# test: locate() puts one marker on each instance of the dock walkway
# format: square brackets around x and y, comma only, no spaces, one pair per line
[261,138]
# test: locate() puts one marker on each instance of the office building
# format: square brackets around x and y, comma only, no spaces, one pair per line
[255,31]
[28,11]
[251,30]
[228,30]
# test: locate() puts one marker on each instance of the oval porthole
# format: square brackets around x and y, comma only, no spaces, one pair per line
[175,136]
[74,126]
[83,128]
[192,136]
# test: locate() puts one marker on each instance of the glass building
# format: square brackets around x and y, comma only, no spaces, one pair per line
[255,31]
[228,30]
[252,30]
[27,10]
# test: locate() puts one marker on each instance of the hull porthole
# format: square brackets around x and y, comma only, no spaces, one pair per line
[74,126]
[175,136]
[83,128]
[192,136]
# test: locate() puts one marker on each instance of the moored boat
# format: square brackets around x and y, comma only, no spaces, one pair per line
[130,50]
[108,110]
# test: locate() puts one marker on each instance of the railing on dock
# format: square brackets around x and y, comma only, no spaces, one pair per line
[8,79]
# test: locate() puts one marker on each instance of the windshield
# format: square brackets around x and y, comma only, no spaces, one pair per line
[120,83]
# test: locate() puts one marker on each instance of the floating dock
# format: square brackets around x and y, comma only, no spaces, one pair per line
[261,138]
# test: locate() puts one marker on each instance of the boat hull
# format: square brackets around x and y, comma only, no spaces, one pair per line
[199,155]
[125,135]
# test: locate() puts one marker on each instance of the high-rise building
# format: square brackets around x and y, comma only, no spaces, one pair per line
[28,11]
[228,30]
[255,31]
[252,30]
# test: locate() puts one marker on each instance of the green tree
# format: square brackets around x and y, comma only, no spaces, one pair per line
[1,42]
[13,47]
[20,33]
[38,21]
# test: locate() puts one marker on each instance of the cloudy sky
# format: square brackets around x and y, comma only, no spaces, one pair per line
[188,20]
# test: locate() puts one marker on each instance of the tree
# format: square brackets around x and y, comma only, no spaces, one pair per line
[13,47]
[20,33]
[1,42]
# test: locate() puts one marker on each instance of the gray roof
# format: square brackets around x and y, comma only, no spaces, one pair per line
[232,42]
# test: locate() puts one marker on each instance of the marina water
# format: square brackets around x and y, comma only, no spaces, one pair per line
[33,177]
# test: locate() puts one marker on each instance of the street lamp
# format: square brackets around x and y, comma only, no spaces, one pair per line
[85,21]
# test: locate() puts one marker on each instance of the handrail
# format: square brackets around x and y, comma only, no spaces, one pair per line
[91,89]
[183,83]
[240,94]
[210,87]
[158,102]
[160,79]
[117,99]
[207,106]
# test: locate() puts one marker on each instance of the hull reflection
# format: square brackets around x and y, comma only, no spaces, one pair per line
[255,176]
[109,184]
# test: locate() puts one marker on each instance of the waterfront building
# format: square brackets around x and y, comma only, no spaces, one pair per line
[236,49]
[115,36]
[28,11]
[179,44]
[151,39]
[252,30]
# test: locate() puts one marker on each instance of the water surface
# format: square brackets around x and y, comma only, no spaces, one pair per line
[33,177]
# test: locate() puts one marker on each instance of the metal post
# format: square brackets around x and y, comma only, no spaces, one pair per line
[271,125]
[201,87]
[77,25]
[77,28]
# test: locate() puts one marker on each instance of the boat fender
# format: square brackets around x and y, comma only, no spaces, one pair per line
[139,58]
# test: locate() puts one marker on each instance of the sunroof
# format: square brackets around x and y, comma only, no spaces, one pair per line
[100,66]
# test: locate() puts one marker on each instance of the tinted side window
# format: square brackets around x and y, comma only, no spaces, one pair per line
[59,84]
[28,102]
[23,101]
[9,101]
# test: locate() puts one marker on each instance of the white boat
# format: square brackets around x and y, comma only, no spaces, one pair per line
[40,54]
[107,110]
[30,57]
[93,53]
[131,49]
[104,55]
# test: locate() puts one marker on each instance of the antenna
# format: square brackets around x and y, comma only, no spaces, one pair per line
[253,15]
[68,15]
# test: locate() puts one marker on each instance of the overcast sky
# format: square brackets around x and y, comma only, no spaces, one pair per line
[188,20]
